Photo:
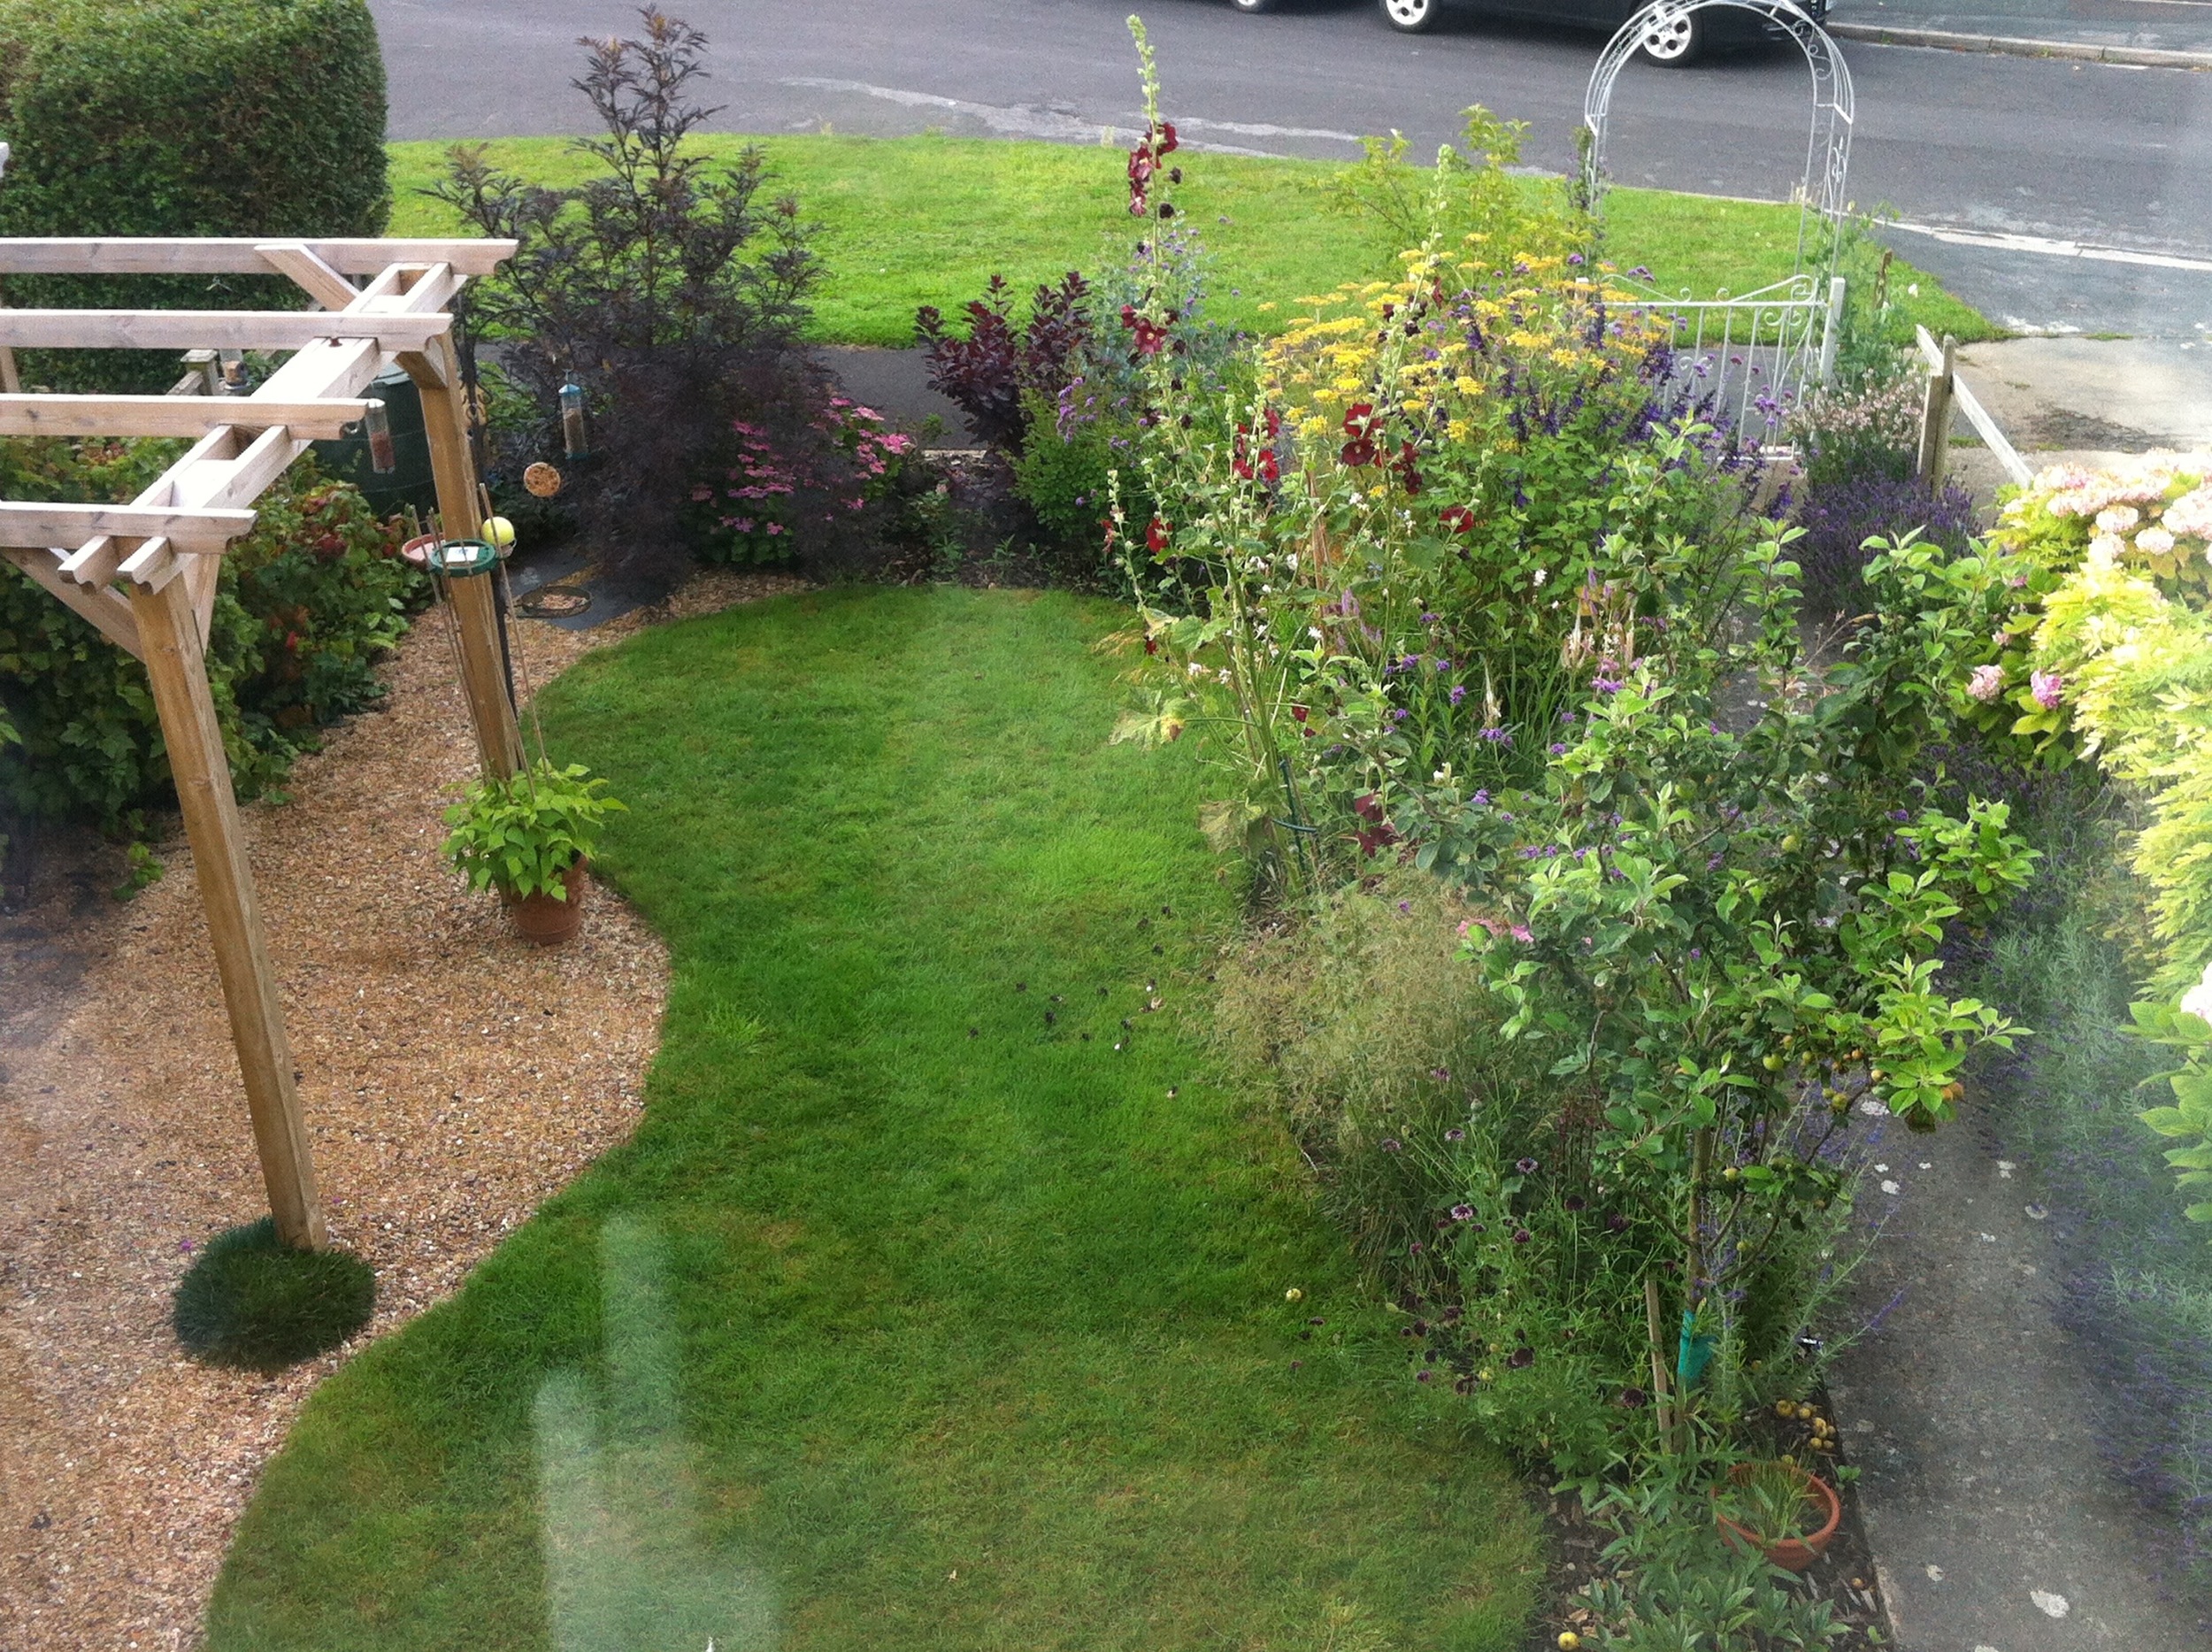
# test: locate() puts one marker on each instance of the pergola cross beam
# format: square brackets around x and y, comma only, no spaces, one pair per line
[321,417]
[146,573]
[223,329]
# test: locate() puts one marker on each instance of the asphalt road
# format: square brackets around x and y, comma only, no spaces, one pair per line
[2047,149]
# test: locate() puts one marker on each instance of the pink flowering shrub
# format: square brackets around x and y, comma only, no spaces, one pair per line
[779,492]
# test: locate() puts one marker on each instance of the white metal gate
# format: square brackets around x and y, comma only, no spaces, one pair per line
[1744,361]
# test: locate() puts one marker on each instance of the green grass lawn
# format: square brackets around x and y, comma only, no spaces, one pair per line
[928,220]
[916,1314]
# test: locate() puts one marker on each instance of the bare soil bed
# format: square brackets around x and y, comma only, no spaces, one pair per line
[453,1078]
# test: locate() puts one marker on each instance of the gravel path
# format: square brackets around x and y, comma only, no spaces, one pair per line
[453,1078]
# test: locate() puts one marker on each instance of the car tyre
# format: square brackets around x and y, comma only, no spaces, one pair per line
[1411,17]
[1674,43]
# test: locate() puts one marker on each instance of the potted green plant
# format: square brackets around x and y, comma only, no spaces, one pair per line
[1786,1512]
[529,837]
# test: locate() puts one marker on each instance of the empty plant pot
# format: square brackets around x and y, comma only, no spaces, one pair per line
[545,922]
[1796,1553]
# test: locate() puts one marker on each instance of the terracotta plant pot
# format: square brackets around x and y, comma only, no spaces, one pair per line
[546,922]
[1791,1554]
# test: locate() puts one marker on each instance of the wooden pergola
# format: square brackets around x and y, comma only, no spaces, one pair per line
[145,573]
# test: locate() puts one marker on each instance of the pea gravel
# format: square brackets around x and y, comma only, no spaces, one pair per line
[453,1077]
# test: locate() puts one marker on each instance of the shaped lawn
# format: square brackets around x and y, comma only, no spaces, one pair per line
[884,1331]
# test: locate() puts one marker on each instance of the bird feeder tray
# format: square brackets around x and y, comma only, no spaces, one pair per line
[462,558]
[453,558]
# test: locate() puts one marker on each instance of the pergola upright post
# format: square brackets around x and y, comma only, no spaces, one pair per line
[169,634]
[453,468]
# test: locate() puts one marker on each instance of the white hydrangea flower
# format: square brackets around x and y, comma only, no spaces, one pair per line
[2155,542]
[2191,515]
[2198,999]
[2119,519]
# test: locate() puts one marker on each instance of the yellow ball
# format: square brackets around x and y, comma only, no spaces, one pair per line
[1293,1295]
[1568,1641]
[499,533]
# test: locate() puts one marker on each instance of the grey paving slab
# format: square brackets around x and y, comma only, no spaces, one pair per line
[1997,1526]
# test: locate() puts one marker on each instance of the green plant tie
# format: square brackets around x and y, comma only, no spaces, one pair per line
[1695,1353]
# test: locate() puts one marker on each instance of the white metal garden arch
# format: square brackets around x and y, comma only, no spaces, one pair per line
[1762,346]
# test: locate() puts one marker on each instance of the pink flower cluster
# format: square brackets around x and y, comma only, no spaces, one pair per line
[766,481]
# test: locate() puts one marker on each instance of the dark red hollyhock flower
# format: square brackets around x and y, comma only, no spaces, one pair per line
[1151,336]
[1262,468]
[1152,645]
[1409,476]
[1375,839]
[1299,713]
[1521,1359]
[1155,535]
[1144,162]
[1458,518]
[1361,425]
[1368,806]
[1274,424]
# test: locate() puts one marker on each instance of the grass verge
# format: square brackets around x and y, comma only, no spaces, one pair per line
[916,1313]
[928,220]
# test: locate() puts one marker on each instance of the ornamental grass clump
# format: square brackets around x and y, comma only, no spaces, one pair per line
[252,1301]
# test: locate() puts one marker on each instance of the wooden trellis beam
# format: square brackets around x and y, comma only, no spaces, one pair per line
[200,255]
[172,415]
[194,329]
[32,526]
[326,286]
[177,670]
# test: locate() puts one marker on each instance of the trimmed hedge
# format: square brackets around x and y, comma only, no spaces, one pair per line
[184,118]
